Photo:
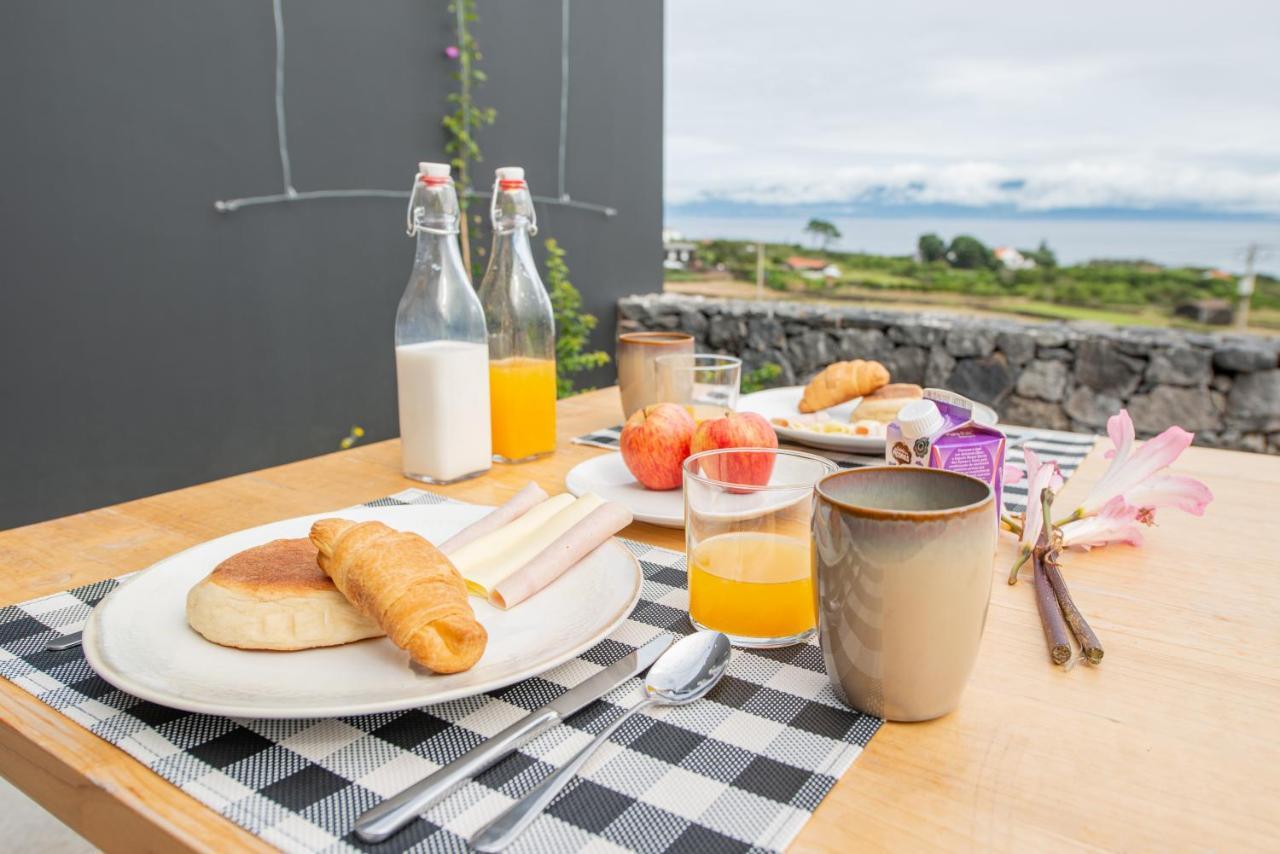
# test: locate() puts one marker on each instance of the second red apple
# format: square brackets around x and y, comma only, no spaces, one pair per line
[736,430]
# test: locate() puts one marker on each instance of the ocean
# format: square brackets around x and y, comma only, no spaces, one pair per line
[1173,242]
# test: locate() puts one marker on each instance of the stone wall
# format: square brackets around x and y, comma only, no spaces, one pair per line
[1225,388]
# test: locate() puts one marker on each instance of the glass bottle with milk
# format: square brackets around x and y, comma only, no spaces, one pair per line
[442,351]
[522,331]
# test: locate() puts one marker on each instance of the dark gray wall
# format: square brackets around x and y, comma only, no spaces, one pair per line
[148,342]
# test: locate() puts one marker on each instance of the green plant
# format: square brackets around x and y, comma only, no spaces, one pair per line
[466,118]
[761,378]
[573,326]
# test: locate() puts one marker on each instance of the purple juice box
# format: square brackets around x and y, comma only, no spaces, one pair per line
[940,432]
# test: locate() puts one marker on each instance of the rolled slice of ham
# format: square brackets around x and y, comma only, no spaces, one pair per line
[566,550]
[516,506]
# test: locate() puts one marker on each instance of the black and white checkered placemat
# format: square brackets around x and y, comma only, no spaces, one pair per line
[1068,449]
[739,771]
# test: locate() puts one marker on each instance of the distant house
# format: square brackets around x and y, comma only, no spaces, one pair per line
[1012,259]
[1218,276]
[678,253]
[801,265]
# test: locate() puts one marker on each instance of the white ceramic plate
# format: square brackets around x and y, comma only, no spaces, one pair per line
[784,403]
[138,638]
[608,477]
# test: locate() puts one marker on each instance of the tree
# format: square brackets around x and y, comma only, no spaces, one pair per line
[970,253]
[1043,256]
[822,232]
[931,248]
[573,326]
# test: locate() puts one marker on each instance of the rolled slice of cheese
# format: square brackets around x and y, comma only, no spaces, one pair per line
[485,550]
[506,556]
[516,506]
[567,549]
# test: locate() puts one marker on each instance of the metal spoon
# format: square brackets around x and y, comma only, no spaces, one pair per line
[685,673]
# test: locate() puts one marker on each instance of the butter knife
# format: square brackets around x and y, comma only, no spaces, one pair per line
[395,812]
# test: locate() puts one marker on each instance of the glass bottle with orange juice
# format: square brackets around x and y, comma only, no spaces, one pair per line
[522,335]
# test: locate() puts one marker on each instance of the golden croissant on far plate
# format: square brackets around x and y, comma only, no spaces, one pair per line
[407,586]
[841,381]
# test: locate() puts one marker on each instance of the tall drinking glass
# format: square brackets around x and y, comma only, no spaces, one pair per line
[747,514]
[705,384]
[637,375]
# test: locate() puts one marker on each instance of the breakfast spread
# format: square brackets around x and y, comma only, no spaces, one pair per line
[407,586]
[275,596]
[356,580]
[882,405]
[843,381]
[822,422]
[938,431]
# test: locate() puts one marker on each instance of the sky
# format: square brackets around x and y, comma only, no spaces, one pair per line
[1126,104]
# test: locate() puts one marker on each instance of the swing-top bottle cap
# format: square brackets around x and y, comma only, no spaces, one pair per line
[510,173]
[433,170]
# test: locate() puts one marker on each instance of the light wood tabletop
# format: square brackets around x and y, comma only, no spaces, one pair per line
[1173,742]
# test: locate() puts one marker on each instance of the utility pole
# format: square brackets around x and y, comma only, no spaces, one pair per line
[1245,288]
[760,271]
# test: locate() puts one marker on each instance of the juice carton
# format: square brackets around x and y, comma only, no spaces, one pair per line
[939,432]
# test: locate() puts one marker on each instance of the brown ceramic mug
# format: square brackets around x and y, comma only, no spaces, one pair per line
[637,378]
[902,558]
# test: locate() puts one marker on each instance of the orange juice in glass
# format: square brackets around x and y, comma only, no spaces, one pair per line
[522,405]
[748,543]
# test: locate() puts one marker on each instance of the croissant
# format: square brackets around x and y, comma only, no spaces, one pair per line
[841,381]
[407,587]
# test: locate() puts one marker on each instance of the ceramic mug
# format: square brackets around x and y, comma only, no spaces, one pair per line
[637,379]
[902,557]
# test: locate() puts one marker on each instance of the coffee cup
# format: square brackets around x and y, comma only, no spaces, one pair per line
[902,558]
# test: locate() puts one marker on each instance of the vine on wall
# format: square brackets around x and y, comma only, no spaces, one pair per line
[573,326]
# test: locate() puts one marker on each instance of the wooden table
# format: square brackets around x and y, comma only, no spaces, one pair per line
[1174,742]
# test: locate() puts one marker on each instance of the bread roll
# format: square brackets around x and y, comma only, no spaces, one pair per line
[274,596]
[884,403]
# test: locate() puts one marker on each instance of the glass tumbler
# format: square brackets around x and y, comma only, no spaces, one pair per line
[748,540]
[705,384]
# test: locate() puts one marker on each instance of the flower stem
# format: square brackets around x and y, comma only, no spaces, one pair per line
[1089,643]
[1055,627]
[1017,565]
[1076,514]
[1011,524]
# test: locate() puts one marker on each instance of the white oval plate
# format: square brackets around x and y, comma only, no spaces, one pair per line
[784,403]
[139,641]
[607,476]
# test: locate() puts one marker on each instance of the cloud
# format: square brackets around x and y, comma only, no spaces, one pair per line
[1093,104]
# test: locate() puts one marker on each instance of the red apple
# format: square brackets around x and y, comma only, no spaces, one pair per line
[737,430]
[655,443]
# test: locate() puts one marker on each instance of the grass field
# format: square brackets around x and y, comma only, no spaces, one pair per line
[1263,321]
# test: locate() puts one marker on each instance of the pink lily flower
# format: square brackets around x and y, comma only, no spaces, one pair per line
[1040,476]
[1116,522]
[1135,475]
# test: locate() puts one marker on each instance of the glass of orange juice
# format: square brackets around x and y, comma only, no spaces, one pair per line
[747,513]
[704,383]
